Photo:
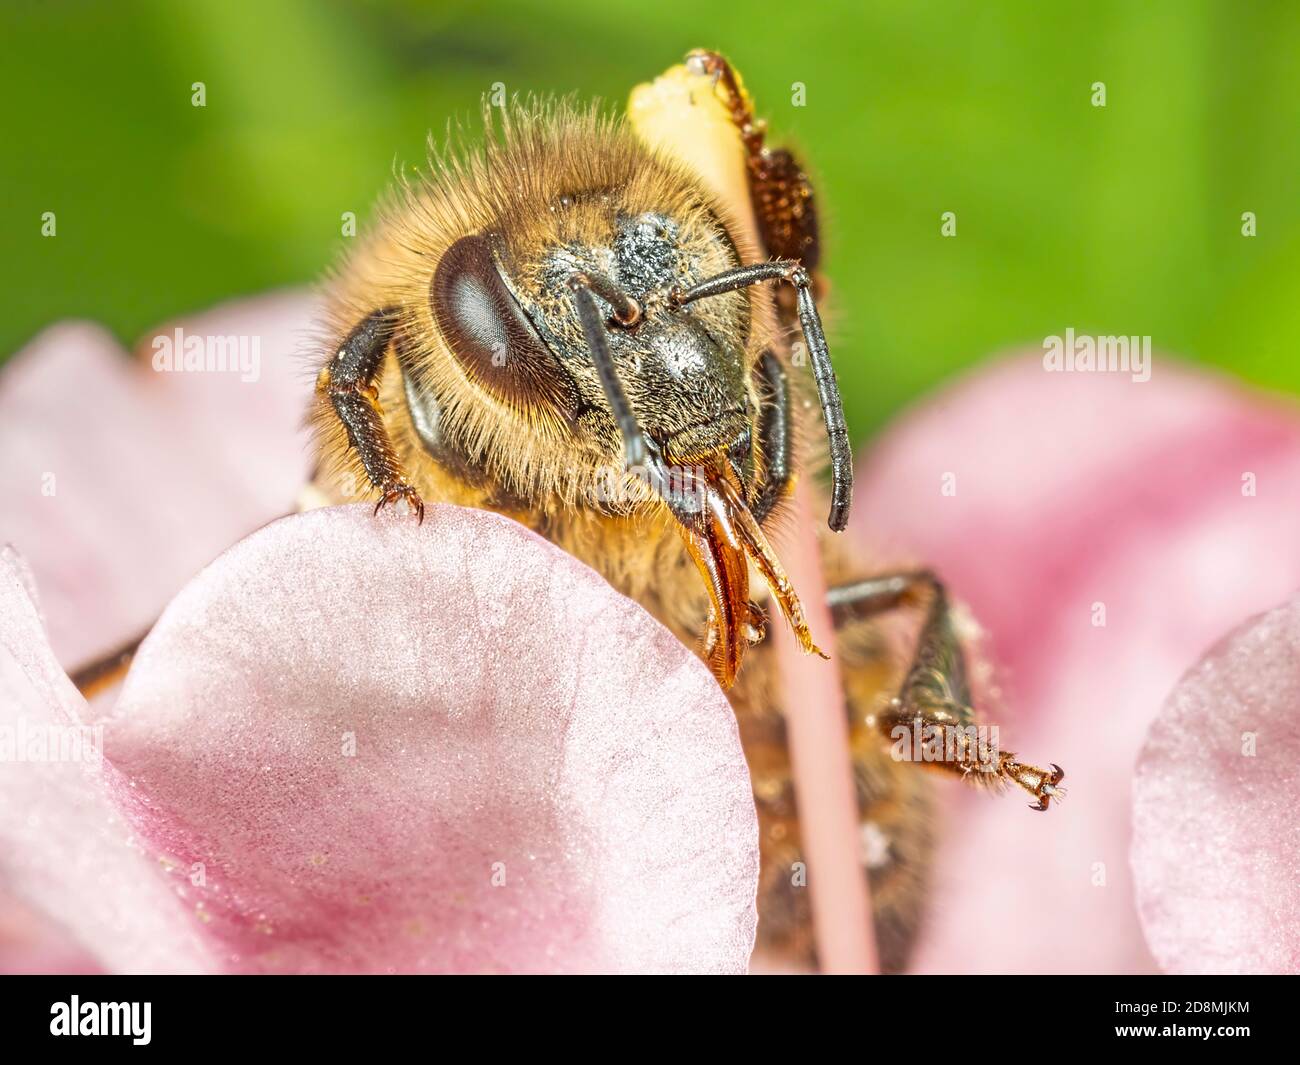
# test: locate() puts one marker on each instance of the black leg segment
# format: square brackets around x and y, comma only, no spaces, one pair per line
[350,383]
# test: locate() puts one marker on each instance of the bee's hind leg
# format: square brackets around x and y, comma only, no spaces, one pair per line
[349,383]
[931,718]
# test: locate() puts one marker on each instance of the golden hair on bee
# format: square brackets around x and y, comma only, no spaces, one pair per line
[556,188]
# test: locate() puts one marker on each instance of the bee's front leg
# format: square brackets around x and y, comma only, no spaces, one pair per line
[931,719]
[350,382]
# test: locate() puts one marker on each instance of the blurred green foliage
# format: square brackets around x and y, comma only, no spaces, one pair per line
[1123,219]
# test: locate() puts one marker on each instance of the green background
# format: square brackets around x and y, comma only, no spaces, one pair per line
[1117,220]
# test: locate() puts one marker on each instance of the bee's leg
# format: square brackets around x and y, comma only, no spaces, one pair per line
[781,192]
[349,382]
[774,437]
[931,718]
[828,389]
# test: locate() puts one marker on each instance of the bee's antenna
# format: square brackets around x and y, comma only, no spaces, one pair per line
[828,389]
[636,448]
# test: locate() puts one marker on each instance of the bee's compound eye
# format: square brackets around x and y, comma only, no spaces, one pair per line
[488,332]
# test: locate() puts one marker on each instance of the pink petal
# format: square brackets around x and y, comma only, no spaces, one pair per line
[1216,839]
[252,433]
[121,482]
[512,716]
[80,891]
[1074,489]
[32,945]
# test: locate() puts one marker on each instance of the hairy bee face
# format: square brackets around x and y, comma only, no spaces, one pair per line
[576,313]
[502,302]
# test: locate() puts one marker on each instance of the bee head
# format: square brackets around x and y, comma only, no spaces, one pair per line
[506,307]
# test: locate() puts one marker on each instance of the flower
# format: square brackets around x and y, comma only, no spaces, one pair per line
[1216,847]
[1103,532]
[351,744]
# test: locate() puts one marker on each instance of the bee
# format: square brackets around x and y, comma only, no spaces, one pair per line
[570,325]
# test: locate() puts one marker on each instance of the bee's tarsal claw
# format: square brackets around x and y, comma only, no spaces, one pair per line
[1044,785]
